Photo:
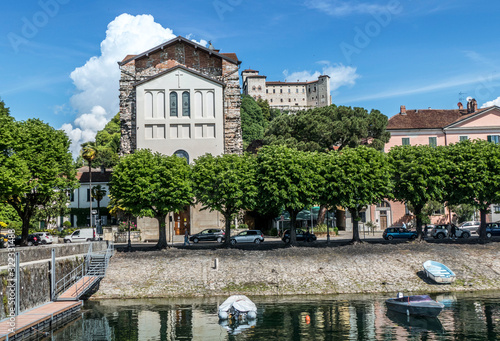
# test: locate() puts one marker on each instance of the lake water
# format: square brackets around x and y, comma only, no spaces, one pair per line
[473,316]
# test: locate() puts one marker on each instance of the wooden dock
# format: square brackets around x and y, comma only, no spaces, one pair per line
[74,292]
[35,320]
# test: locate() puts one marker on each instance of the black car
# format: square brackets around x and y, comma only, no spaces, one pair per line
[209,235]
[32,240]
[301,236]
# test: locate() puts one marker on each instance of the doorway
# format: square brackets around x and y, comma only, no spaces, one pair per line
[182,221]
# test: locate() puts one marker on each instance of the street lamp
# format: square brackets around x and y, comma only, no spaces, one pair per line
[129,246]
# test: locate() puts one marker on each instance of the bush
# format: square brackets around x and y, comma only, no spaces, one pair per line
[273,232]
[67,224]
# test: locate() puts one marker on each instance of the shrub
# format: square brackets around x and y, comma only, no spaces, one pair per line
[67,224]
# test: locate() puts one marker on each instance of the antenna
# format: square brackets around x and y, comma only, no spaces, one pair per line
[461,96]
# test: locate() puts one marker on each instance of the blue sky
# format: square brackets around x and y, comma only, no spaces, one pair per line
[58,59]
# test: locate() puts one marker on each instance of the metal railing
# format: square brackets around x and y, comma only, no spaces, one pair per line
[92,269]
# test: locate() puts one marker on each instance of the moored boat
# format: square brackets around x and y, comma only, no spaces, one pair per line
[237,307]
[417,305]
[438,272]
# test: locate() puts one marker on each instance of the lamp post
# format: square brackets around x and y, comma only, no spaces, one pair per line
[129,246]
[327,227]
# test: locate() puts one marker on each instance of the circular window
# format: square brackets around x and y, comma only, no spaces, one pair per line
[182,153]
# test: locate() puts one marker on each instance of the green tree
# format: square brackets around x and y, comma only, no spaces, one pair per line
[55,207]
[152,185]
[326,128]
[287,178]
[357,177]
[420,177]
[463,212]
[474,176]
[98,193]
[89,153]
[252,120]
[225,183]
[36,165]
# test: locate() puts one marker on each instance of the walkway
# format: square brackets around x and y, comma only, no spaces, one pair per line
[37,319]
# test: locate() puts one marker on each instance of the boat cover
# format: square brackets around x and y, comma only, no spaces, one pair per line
[239,302]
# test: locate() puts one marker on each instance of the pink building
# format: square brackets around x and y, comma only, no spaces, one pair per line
[437,127]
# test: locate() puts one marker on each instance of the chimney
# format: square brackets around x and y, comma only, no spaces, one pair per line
[460,105]
[402,110]
[474,105]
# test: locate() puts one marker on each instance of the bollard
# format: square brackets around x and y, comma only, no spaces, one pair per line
[216,263]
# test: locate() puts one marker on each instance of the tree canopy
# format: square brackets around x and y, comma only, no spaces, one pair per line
[252,120]
[357,177]
[420,177]
[474,176]
[152,185]
[225,183]
[287,178]
[327,128]
[35,164]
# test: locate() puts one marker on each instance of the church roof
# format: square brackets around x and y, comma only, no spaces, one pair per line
[429,118]
[230,57]
[175,68]
[250,70]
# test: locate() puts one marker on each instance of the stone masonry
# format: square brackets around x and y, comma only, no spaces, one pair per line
[180,51]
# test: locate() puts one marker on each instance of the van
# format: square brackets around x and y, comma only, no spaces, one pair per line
[82,235]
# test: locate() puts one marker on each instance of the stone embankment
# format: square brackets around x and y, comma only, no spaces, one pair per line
[365,268]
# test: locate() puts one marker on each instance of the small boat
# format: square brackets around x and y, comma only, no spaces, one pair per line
[438,272]
[238,307]
[417,305]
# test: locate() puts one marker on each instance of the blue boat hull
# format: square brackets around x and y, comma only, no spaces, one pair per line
[429,308]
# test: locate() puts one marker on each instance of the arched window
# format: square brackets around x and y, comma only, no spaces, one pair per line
[383,204]
[186,105]
[173,104]
[253,87]
[260,88]
[182,153]
[148,105]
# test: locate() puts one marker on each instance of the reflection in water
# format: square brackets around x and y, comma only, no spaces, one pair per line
[466,317]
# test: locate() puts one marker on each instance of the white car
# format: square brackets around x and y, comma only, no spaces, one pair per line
[44,237]
[82,235]
[471,226]
[441,231]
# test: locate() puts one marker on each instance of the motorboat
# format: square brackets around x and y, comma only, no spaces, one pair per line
[438,272]
[237,307]
[417,305]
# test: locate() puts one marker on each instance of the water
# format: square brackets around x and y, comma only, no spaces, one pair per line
[474,316]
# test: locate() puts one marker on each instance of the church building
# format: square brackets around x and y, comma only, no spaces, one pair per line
[180,98]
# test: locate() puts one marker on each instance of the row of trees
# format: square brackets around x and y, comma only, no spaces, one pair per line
[279,177]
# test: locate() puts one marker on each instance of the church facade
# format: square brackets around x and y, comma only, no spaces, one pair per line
[180,98]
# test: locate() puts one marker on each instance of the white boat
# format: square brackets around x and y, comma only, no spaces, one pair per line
[438,272]
[237,307]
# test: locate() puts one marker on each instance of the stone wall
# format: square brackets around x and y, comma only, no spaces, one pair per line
[34,253]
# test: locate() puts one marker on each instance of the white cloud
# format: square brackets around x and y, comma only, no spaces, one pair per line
[340,75]
[96,100]
[492,103]
[338,8]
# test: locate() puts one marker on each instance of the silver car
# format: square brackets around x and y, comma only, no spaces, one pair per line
[471,226]
[441,232]
[248,236]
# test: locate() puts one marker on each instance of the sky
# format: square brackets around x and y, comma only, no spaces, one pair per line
[58,59]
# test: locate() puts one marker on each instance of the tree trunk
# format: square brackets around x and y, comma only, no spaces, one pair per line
[482,227]
[162,240]
[418,213]
[293,234]
[227,241]
[321,214]
[355,229]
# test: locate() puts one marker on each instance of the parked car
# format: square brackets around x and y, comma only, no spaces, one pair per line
[391,233]
[82,235]
[4,240]
[209,235]
[32,240]
[248,236]
[492,229]
[441,232]
[301,236]
[471,226]
[44,237]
